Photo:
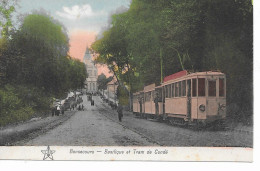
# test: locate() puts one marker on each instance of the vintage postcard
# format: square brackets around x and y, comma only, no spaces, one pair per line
[126,80]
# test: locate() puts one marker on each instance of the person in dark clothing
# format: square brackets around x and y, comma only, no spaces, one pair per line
[120,112]
[82,107]
[141,105]
[156,102]
[53,111]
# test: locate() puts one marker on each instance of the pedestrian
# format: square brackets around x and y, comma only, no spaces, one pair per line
[53,111]
[156,102]
[120,112]
[141,105]
[82,107]
[58,110]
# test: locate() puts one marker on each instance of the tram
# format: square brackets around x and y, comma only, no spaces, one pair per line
[184,98]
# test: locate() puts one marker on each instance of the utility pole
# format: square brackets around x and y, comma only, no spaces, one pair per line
[161,61]
[115,92]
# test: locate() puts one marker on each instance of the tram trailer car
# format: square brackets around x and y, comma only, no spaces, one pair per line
[149,106]
[138,103]
[153,104]
[195,98]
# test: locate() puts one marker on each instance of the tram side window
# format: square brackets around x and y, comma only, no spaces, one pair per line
[212,88]
[159,91]
[166,91]
[221,87]
[134,98]
[201,86]
[169,91]
[142,96]
[194,87]
[176,89]
[179,88]
[147,96]
[183,88]
[173,90]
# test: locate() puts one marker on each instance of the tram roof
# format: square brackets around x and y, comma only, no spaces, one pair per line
[175,75]
[185,73]
[149,87]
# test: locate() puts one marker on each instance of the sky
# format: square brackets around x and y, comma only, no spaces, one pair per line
[83,19]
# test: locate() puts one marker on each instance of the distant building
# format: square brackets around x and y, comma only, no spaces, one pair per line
[91,81]
[111,90]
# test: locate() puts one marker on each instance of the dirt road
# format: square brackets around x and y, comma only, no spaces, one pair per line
[90,128]
[99,126]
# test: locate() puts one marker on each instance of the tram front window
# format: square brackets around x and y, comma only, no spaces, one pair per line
[212,88]
[221,87]
[194,87]
[201,87]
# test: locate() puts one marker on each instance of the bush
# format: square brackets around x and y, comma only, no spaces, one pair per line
[34,97]
[12,108]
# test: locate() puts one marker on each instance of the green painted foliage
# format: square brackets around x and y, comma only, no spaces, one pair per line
[102,81]
[12,108]
[196,35]
[6,10]
[35,67]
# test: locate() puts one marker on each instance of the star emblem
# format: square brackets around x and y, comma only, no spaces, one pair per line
[48,153]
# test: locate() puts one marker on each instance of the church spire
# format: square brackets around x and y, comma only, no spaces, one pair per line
[87,54]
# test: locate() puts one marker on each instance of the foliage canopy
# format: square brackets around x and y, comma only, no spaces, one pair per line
[155,38]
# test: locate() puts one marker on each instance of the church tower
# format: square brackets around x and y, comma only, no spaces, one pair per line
[91,81]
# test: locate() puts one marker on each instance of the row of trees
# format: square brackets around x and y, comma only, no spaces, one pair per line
[156,38]
[36,54]
[34,64]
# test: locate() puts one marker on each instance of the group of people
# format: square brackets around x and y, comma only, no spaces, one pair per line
[81,107]
[78,107]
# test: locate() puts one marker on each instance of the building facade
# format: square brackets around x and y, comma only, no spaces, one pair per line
[91,80]
[111,90]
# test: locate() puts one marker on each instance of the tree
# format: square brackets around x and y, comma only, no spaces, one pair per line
[35,67]
[102,81]
[7,7]
[155,38]
[43,45]
[37,55]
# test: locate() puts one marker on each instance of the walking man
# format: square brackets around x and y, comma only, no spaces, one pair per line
[82,107]
[141,105]
[120,112]
[156,101]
